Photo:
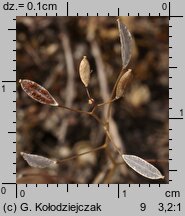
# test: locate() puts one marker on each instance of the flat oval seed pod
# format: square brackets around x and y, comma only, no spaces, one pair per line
[123,83]
[126,43]
[142,167]
[37,161]
[84,71]
[37,92]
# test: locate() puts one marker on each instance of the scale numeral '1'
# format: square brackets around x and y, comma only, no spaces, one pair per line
[181,111]
[3,87]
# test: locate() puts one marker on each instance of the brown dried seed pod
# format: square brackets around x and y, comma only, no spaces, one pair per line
[85,71]
[37,92]
[123,83]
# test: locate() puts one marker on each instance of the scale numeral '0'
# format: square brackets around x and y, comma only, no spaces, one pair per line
[164,6]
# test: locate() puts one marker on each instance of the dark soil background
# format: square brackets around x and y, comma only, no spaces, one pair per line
[49,51]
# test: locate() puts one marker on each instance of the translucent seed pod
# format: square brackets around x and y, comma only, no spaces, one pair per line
[142,167]
[37,161]
[126,44]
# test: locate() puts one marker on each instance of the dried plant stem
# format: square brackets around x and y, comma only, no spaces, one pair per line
[110,156]
[90,99]
[102,104]
[104,90]
[104,124]
[133,161]
[88,94]
[98,119]
[112,98]
[81,154]
[107,102]
[112,141]
[109,175]
[84,112]
[74,110]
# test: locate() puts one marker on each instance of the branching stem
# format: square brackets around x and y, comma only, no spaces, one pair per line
[105,124]
[81,154]
[107,102]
